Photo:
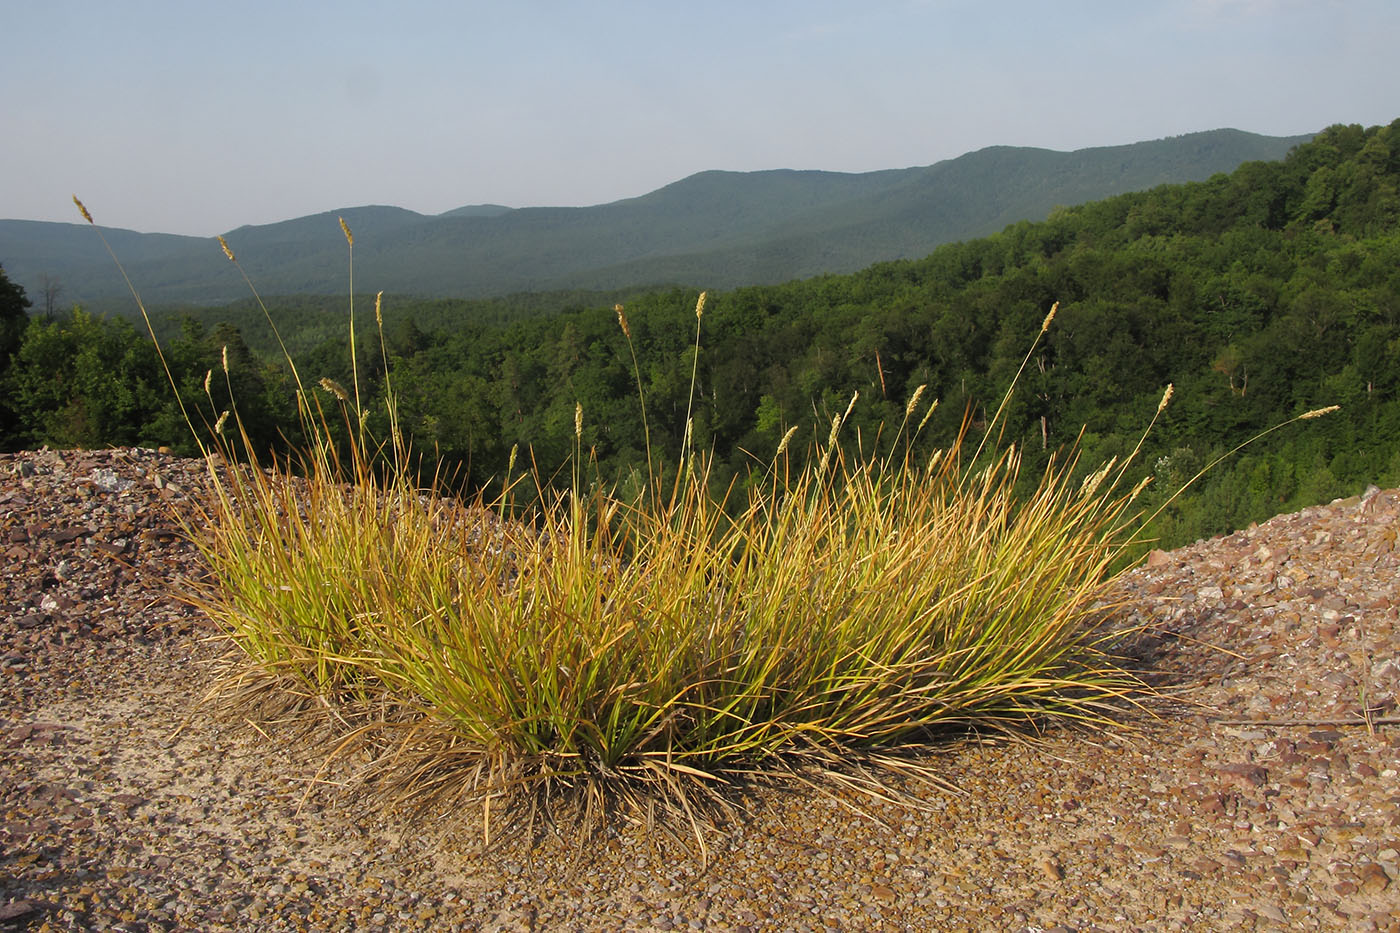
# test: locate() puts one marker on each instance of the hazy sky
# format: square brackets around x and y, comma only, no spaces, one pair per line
[196,118]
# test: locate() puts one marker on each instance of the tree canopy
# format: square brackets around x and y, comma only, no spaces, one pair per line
[14,318]
[1259,294]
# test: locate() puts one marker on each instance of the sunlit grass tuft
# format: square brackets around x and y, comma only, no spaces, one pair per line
[647,651]
[595,652]
[654,650]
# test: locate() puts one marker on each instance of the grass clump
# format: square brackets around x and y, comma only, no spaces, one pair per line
[598,652]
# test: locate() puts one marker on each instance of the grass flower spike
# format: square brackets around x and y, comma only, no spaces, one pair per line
[336,389]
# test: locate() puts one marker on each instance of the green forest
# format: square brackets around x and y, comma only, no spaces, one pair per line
[1259,294]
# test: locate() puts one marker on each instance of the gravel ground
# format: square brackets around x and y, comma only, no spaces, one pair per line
[1256,798]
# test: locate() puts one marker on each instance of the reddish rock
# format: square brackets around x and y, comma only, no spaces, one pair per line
[18,910]
[1243,775]
[1372,878]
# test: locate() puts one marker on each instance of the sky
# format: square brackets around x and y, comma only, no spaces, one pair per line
[197,118]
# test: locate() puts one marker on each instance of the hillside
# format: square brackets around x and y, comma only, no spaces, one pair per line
[1259,295]
[713,229]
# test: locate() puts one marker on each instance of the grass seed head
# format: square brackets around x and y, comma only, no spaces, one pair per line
[578,419]
[914,400]
[208,375]
[378,309]
[1045,324]
[345,228]
[1091,483]
[1166,397]
[219,425]
[622,320]
[227,251]
[700,305]
[928,414]
[852,404]
[830,443]
[225,359]
[1318,412]
[782,444]
[82,210]
[336,389]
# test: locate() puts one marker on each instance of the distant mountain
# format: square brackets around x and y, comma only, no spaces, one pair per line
[477,210]
[713,229]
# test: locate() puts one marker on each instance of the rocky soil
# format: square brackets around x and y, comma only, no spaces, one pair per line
[1257,797]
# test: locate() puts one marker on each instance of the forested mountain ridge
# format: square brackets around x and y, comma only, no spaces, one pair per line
[713,229]
[1259,294]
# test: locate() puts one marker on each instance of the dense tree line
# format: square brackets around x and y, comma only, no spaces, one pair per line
[76,380]
[1259,294]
